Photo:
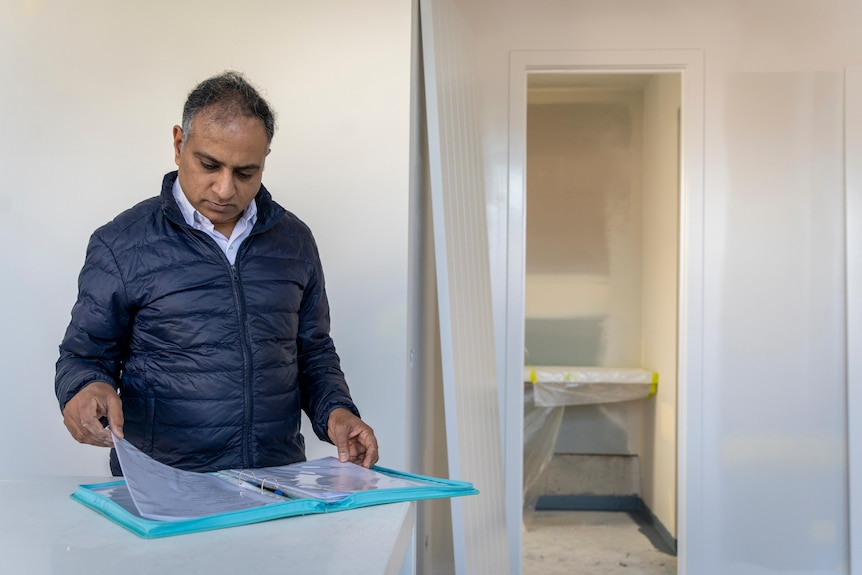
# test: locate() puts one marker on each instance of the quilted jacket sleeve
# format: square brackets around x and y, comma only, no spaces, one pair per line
[97,337]
[322,384]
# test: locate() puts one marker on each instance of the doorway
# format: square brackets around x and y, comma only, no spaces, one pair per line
[602,242]
[617,229]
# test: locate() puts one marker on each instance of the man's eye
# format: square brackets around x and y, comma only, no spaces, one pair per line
[243,176]
[208,166]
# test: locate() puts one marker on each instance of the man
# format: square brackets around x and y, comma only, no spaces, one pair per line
[202,324]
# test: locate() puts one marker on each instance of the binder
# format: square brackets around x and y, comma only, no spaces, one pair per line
[266,494]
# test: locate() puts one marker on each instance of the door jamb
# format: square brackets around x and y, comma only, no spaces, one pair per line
[853,263]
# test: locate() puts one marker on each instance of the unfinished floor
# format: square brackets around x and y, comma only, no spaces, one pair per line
[591,543]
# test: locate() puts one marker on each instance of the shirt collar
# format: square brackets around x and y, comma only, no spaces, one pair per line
[191,215]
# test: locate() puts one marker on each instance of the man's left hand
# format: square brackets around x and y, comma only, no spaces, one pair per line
[353,438]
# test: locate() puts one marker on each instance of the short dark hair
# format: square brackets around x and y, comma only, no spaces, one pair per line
[231,92]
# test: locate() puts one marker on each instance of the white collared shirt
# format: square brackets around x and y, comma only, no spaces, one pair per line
[242,229]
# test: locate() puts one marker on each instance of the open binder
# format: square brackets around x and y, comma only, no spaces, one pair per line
[156,500]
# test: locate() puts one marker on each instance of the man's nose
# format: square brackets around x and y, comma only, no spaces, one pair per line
[224,185]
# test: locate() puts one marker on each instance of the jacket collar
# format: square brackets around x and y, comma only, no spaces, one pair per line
[268,211]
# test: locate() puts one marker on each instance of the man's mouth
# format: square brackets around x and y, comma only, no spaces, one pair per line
[216,207]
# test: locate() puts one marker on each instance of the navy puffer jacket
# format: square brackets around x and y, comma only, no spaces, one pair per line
[212,361]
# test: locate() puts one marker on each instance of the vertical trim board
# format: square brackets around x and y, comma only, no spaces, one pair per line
[853,295]
[464,290]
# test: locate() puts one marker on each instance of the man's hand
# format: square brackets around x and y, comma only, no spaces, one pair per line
[353,438]
[82,413]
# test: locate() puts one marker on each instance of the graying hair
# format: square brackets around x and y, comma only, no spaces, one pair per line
[234,95]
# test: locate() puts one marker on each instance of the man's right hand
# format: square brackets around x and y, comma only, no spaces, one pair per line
[82,413]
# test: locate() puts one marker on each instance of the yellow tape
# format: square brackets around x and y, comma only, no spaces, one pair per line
[653,388]
[533,376]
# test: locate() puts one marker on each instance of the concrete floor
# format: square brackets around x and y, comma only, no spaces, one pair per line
[590,543]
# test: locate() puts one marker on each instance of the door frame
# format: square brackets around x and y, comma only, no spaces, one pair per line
[853,263]
[690,65]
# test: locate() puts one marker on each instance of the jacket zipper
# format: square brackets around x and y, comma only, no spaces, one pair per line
[239,301]
[248,405]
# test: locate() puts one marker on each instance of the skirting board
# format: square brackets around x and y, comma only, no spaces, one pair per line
[649,524]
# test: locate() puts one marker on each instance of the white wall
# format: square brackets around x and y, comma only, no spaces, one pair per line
[89,94]
[660,253]
[774,492]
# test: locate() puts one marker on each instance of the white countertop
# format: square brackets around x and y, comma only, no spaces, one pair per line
[45,532]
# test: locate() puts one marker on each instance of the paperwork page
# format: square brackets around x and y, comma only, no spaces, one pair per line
[165,493]
[327,479]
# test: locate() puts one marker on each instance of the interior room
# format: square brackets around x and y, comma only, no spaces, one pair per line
[602,245]
[749,463]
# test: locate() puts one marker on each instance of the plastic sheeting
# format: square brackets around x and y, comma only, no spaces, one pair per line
[541,427]
[547,391]
[557,386]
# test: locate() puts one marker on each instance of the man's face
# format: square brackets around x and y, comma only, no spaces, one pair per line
[221,165]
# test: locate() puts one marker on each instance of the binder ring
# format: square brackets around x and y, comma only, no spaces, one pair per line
[273,481]
[245,472]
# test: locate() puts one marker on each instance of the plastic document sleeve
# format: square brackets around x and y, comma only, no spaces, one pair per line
[114,501]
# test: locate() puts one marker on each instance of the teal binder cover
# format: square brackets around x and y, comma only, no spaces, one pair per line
[114,501]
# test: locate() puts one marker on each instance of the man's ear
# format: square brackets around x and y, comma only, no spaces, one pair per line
[178,143]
